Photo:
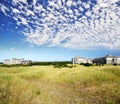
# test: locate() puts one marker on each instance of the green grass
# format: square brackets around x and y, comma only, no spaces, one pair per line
[49,85]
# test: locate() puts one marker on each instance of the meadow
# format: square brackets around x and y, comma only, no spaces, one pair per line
[50,85]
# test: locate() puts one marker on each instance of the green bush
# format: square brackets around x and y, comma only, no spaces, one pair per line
[61,64]
[115,64]
[86,64]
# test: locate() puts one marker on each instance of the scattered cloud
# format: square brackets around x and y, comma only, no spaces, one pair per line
[68,23]
[15,10]
[4,9]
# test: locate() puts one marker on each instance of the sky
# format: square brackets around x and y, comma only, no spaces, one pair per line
[58,30]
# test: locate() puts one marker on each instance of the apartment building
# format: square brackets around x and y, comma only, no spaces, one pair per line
[78,60]
[108,59]
[14,61]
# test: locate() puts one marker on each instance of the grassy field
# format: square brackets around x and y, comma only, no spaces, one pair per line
[49,85]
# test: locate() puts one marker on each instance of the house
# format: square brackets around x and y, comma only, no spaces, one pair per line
[78,60]
[108,59]
[14,61]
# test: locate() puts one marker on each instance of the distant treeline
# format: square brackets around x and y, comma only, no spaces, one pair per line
[55,64]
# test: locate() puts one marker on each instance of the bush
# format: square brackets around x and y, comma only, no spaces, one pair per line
[86,64]
[39,63]
[115,64]
[60,65]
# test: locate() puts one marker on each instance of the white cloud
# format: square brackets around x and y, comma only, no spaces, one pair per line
[18,1]
[81,9]
[29,12]
[63,24]
[21,20]
[38,8]
[87,6]
[3,8]
[88,13]
[15,10]
[34,2]
[69,3]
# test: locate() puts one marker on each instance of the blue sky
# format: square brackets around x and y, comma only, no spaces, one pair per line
[57,30]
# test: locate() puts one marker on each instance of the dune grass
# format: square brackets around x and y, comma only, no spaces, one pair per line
[49,85]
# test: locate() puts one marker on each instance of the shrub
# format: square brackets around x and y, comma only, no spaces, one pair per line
[86,64]
[115,64]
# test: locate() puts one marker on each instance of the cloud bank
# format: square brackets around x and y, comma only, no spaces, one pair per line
[80,24]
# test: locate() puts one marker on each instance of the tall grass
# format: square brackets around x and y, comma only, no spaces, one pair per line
[49,85]
[15,91]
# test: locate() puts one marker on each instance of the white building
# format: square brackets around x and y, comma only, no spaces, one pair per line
[108,59]
[14,61]
[78,60]
[7,61]
[116,60]
[26,61]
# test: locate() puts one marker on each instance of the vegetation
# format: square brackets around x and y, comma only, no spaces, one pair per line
[64,85]
[55,64]
[86,64]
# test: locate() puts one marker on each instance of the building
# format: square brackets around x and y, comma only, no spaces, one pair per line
[15,61]
[108,59]
[26,61]
[7,61]
[78,60]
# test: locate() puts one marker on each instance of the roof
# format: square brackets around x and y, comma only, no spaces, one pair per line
[109,56]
